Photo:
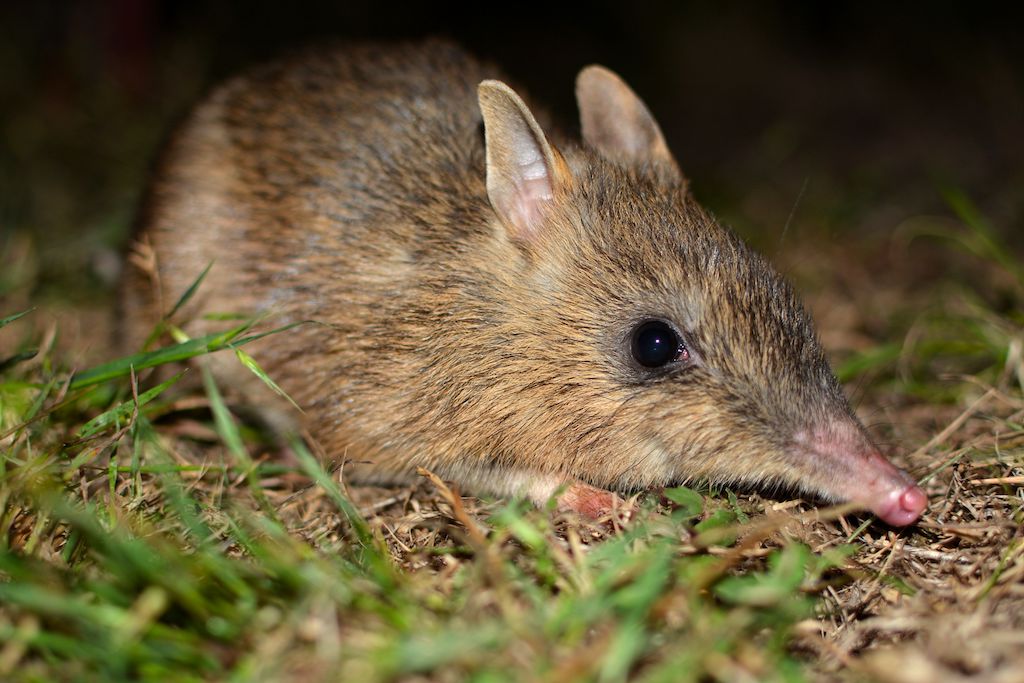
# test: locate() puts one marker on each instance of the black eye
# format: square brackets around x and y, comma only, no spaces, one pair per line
[655,344]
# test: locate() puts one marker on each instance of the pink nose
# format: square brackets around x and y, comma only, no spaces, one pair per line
[901,506]
[861,474]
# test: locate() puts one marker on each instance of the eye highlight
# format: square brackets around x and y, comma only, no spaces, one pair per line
[655,344]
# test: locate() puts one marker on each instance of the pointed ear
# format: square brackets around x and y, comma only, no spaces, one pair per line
[617,123]
[524,172]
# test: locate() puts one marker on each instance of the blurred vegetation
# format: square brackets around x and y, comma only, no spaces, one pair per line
[790,118]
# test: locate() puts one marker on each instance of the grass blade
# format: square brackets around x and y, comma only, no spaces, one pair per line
[374,555]
[168,354]
[4,322]
[190,292]
[123,410]
[176,352]
[250,363]
[20,357]
[986,244]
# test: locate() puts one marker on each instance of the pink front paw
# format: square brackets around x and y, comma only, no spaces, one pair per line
[592,502]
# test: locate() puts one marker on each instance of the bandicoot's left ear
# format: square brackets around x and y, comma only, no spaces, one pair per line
[618,124]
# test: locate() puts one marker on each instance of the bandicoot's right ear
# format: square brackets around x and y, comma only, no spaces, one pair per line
[524,171]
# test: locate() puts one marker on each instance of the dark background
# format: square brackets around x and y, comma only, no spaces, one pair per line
[826,121]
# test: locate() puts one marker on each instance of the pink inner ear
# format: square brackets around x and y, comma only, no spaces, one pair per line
[617,130]
[533,191]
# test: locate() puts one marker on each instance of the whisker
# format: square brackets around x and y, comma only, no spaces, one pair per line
[792,212]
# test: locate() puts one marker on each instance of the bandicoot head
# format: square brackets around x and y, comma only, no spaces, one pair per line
[668,349]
